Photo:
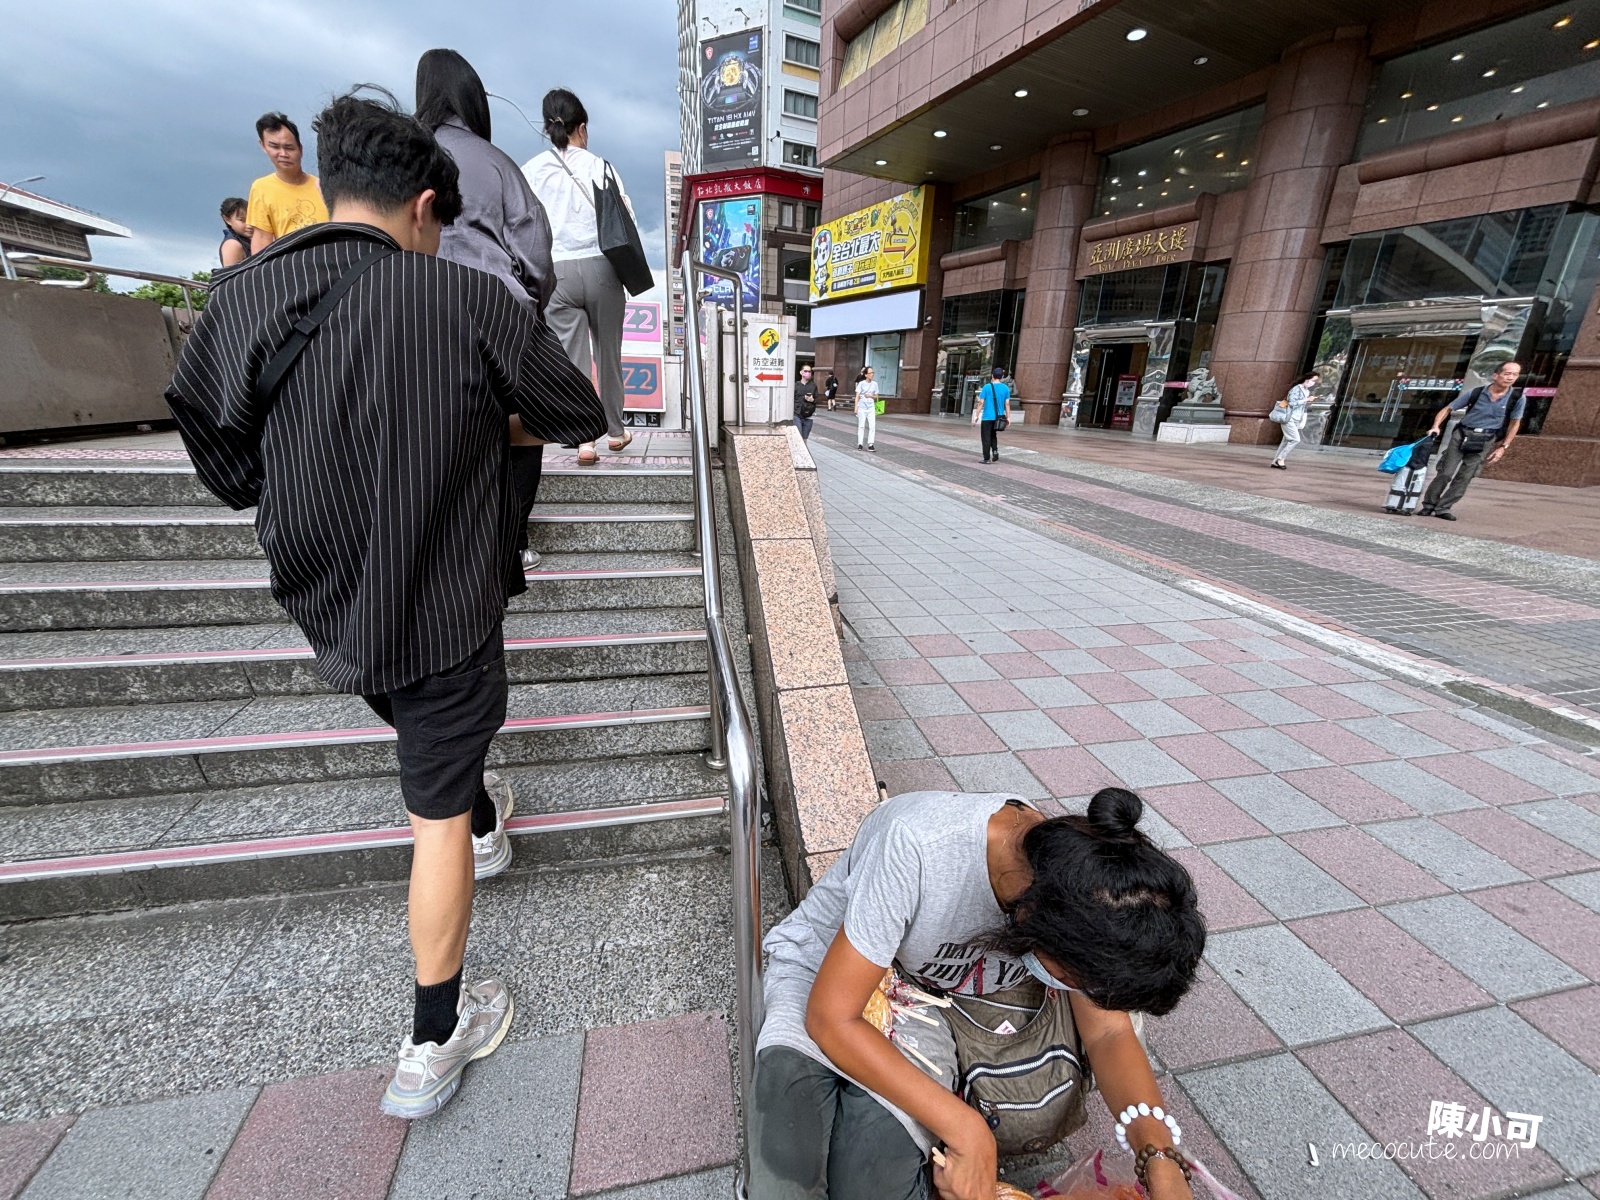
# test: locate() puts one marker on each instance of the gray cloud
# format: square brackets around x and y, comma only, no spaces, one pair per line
[145,112]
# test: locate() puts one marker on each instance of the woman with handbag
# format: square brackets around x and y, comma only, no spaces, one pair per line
[1042,933]
[589,304]
[1290,415]
[991,415]
[502,228]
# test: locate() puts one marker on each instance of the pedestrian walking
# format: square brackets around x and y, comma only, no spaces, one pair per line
[805,403]
[949,915]
[373,453]
[587,308]
[866,410]
[236,231]
[288,199]
[502,228]
[830,389]
[1490,414]
[991,414]
[1290,414]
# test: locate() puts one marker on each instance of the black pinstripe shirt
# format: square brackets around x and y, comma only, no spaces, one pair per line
[379,474]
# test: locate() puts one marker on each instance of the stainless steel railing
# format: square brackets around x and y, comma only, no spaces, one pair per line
[91,269]
[732,737]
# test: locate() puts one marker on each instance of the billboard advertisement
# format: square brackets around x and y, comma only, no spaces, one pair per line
[642,323]
[642,389]
[730,237]
[873,249]
[730,101]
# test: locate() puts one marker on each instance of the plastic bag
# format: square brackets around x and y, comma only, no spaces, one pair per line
[1100,1178]
[1398,458]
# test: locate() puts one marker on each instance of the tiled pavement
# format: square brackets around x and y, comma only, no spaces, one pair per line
[1402,891]
[633,1112]
[1520,619]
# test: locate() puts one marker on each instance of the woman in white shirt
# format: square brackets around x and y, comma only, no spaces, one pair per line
[587,308]
[1293,419]
[866,410]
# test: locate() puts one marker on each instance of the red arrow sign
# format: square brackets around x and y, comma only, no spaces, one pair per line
[775,378]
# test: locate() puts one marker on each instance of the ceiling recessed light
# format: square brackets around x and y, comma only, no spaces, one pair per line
[1023,195]
[1110,197]
[1222,154]
[1407,95]
[1201,61]
[1116,179]
[1142,174]
[1383,120]
[1562,23]
[1191,187]
[1139,205]
[1516,91]
[994,204]
[1433,108]
[1020,93]
[1542,104]
[940,133]
[1163,193]
[1489,72]
[1591,45]
[1105,212]
[1244,162]
[1455,118]
[1080,112]
[882,162]
[997,146]
[1138,34]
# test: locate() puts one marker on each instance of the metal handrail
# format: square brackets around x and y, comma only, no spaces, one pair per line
[737,280]
[733,740]
[89,268]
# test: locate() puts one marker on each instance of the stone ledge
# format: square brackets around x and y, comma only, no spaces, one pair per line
[818,774]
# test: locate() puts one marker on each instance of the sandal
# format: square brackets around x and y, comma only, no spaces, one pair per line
[617,447]
[588,455]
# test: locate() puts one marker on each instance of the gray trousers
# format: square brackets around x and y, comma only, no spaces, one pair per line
[816,1136]
[1456,473]
[588,307]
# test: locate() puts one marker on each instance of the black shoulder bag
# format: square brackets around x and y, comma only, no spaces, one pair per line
[617,234]
[272,375]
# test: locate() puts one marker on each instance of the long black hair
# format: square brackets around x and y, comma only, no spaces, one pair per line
[563,113]
[1119,916]
[447,86]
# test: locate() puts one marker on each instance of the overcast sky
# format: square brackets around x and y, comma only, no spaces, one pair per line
[144,110]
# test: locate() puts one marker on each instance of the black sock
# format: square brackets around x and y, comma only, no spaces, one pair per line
[434,1018]
[482,814]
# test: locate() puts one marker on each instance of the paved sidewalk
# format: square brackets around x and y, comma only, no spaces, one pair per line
[1507,615]
[1403,892]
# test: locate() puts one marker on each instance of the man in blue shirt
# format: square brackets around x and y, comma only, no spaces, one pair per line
[1485,412]
[990,409]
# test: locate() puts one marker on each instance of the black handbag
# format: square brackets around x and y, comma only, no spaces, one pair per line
[617,234]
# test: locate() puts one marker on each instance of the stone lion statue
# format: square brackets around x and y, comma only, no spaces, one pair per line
[1202,388]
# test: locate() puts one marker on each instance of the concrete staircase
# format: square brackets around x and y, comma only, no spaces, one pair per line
[168,756]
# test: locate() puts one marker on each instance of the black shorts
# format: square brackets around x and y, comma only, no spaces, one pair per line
[445,723]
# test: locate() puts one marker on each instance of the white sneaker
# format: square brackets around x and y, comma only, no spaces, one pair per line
[491,853]
[428,1075]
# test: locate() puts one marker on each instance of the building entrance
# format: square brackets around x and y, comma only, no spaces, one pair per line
[964,366]
[1111,384]
[1395,385]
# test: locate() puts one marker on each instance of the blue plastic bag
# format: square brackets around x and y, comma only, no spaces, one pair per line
[1399,458]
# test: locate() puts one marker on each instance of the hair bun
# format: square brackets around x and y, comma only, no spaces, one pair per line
[1114,814]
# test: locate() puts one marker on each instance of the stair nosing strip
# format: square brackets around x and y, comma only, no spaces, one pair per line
[229,521]
[119,862]
[300,653]
[318,738]
[200,585]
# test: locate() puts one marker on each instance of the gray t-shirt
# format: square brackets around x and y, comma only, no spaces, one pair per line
[913,888]
[1481,411]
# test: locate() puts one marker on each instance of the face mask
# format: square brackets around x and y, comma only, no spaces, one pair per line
[1036,969]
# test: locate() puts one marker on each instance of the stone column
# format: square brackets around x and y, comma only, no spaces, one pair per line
[1050,309]
[1313,115]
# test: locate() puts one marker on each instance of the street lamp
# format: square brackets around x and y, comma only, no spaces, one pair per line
[5,261]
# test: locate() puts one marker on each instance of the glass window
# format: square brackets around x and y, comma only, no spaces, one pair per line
[800,104]
[813,216]
[997,217]
[1214,157]
[802,318]
[786,216]
[799,155]
[1543,59]
[901,20]
[812,8]
[883,356]
[800,50]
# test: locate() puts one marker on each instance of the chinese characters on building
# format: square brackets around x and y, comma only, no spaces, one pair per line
[1150,249]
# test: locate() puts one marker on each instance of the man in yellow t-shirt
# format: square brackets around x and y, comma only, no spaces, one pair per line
[288,199]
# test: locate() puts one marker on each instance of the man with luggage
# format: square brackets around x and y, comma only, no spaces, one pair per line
[355,389]
[1489,414]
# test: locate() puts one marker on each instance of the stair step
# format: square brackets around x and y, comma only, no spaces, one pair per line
[121,595]
[47,485]
[131,676]
[52,534]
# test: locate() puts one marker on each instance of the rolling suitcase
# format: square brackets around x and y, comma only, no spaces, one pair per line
[1405,490]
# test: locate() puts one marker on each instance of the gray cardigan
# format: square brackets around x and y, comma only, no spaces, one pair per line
[502,228]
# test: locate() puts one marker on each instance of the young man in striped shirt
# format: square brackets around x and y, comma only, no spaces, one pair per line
[377,464]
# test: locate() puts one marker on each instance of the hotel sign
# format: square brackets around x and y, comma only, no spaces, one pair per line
[1152,248]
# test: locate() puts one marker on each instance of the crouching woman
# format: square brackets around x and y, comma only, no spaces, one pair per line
[975,901]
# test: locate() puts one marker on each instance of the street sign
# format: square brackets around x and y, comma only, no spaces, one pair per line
[642,322]
[769,367]
[642,389]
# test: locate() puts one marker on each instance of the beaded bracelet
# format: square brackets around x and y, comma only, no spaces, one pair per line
[1141,1163]
[1135,1111]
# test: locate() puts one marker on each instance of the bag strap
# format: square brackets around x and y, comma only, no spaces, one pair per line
[560,158]
[271,377]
